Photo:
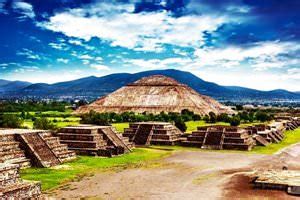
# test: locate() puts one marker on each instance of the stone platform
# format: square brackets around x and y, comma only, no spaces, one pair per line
[12,187]
[26,147]
[94,140]
[219,137]
[286,180]
[146,133]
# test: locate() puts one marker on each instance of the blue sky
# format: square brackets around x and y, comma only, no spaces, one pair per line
[251,43]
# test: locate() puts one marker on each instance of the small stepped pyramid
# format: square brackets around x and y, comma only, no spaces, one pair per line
[114,140]
[214,138]
[220,137]
[160,133]
[269,134]
[61,151]
[12,187]
[38,150]
[143,134]
[93,140]
[11,153]
[83,139]
[237,138]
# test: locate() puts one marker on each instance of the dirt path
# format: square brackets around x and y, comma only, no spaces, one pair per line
[184,175]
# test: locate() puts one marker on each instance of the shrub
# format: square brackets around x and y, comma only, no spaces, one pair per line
[235,121]
[10,121]
[179,123]
[44,124]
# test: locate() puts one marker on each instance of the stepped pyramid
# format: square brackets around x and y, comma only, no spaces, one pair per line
[94,140]
[155,94]
[12,187]
[37,147]
[145,133]
[220,137]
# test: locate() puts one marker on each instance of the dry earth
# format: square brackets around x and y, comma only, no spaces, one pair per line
[185,175]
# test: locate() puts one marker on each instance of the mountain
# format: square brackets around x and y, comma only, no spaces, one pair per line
[93,87]
[11,86]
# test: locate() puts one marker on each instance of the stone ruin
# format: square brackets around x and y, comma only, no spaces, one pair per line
[287,180]
[39,148]
[146,133]
[12,187]
[219,137]
[292,124]
[266,134]
[94,140]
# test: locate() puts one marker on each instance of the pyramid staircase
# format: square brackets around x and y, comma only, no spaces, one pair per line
[219,137]
[113,139]
[38,150]
[93,140]
[162,133]
[143,134]
[214,139]
[61,151]
[12,187]
[11,153]
[32,147]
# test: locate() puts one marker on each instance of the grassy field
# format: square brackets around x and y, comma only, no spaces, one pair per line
[87,165]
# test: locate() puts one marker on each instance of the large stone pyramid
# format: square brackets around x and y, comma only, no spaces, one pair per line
[155,94]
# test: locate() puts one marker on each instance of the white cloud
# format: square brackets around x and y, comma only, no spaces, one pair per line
[62,60]
[261,56]
[160,64]
[100,67]
[85,57]
[139,31]
[29,54]
[24,8]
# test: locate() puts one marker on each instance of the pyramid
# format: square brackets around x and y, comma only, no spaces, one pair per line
[155,94]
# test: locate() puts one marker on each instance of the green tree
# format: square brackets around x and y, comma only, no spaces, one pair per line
[212,117]
[10,121]
[235,121]
[44,124]
[179,123]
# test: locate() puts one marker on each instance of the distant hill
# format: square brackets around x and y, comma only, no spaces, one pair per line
[94,87]
[11,86]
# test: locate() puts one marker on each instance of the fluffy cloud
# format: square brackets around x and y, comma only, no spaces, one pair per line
[100,67]
[261,56]
[62,60]
[160,63]
[145,31]
[23,8]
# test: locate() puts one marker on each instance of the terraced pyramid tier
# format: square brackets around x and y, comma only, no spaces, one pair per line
[94,140]
[38,147]
[145,133]
[12,187]
[220,137]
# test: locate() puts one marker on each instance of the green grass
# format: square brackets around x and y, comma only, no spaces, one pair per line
[192,125]
[120,126]
[291,137]
[87,165]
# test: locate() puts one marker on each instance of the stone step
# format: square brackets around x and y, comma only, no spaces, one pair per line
[7,138]
[232,146]
[66,156]
[81,137]
[6,146]
[21,162]
[11,155]
[192,143]
[21,190]
[80,144]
